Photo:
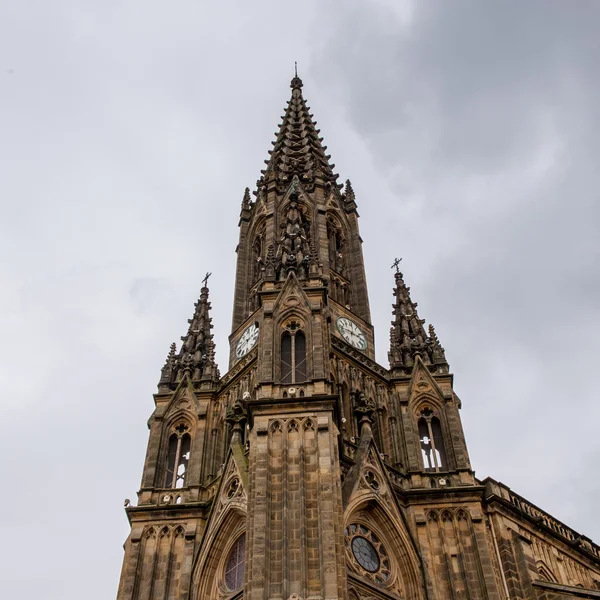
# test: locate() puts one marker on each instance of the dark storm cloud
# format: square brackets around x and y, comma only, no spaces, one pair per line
[482,119]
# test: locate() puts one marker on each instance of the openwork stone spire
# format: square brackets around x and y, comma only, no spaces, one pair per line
[298,149]
[349,197]
[246,201]
[197,354]
[408,337]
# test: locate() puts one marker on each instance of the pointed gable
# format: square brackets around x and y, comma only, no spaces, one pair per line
[292,296]
[422,383]
[184,399]
[371,511]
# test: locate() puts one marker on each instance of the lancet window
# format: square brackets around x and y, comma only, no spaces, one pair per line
[178,456]
[293,355]
[432,442]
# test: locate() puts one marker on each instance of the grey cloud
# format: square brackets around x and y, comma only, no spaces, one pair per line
[482,121]
[470,131]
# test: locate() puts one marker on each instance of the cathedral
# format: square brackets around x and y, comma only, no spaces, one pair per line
[308,471]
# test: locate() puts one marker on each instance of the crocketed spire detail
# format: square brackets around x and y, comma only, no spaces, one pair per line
[246,200]
[197,354]
[297,149]
[408,337]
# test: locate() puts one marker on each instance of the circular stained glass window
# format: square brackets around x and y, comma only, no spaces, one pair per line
[234,567]
[365,554]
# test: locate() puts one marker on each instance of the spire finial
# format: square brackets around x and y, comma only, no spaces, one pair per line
[396,265]
[246,200]
[205,280]
[296,82]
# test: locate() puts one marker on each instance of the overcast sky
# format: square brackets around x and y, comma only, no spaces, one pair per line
[128,131]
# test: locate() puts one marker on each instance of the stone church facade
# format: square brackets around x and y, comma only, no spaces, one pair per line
[309,471]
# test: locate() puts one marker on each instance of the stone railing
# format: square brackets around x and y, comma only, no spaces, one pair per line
[396,477]
[539,517]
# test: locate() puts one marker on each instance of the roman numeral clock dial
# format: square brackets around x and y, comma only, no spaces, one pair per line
[352,333]
[247,341]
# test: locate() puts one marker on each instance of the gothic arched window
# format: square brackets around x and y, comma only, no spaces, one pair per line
[293,357]
[178,457]
[432,442]
[236,562]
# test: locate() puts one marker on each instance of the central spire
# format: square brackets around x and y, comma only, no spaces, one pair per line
[297,149]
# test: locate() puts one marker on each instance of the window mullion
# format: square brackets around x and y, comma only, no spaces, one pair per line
[293,361]
[176,465]
[434,460]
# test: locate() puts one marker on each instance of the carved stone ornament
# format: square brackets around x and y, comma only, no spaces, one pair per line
[236,413]
[363,404]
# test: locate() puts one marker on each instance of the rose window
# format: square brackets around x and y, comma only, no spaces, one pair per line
[367,554]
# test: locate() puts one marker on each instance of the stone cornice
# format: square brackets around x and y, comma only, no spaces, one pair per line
[503,495]
[575,592]
[348,351]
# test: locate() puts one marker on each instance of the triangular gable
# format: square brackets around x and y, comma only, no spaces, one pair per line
[291,289]
[183,399]
[297,189]
[368,477]
[230,491]
[228,513]
[370,499]
[422,382]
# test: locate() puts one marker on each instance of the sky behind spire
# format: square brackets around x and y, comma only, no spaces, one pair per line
[471,133]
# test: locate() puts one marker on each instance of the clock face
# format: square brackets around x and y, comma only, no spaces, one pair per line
[352,333]
[365,554]
[247,341]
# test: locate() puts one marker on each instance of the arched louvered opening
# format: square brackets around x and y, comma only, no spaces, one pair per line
[433,451]
[293,357]
[178,457]
[300,357]
[287,368]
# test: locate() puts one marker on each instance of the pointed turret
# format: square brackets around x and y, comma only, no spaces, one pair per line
[197,354]
[246,204]
[349,197]
[166,375]
[408,337]
[298,149]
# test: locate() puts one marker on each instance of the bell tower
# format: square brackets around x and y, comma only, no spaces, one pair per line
[308,471]
[300,281]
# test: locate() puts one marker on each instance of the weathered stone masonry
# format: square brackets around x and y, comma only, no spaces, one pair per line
[309,471]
